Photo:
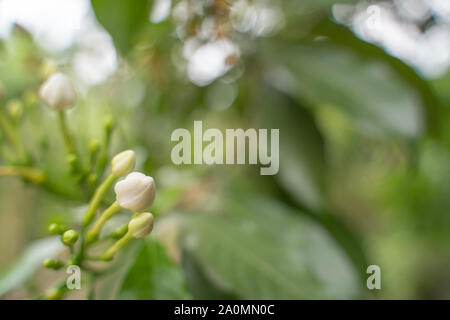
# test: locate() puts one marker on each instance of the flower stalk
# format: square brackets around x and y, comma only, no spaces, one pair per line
[65,132]
[33,175]
[93,233]
[119,244]
[97,198]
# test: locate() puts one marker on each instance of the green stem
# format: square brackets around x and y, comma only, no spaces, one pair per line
[33,175]
[97,198]
[122,242]
[65,131]
[92,234]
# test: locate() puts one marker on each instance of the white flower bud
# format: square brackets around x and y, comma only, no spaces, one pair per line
[58,92]
[141,225]
[136,192]
[123,163]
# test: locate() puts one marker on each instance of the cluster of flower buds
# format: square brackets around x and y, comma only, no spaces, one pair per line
[136,192]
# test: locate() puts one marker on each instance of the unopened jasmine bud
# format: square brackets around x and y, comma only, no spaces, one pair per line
[123,163]
[141,225]
[136,192]
[52,264]
[69,237]
[58,92]
[55,228]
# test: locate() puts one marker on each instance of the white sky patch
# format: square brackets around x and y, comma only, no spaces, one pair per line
[208,61]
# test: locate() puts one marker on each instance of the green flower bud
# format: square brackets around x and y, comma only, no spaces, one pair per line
[123,163]
[72,160]
[54,294]
[30,98]
[52,264]
[15,109]
[69,237]
[94,146]
[92,178]
[141,225]
[108,122]
[55,228]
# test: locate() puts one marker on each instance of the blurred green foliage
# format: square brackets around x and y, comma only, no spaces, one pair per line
[364,163]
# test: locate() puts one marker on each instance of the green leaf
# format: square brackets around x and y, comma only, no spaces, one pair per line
[122,19]
[341,36]
[370,92]
[19,63]
[260,249]
[200,285]
[109,284]
[29,262]
[301,155]
[154,276]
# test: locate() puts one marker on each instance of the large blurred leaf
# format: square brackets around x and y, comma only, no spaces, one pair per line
[302,160]
[341,36]
[260,249]
[200,285]
[19,64]
[122,19]
[29,262]
[109,284]
[154,276]
[377,99]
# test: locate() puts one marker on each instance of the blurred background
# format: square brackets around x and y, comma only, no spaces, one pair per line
[360,91]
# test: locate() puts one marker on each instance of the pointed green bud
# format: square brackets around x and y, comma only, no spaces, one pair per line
[108,122]
[72,159]
[92,178]
[69,237]
[54,294]
[15,109]
[141,225]
[52,264]
[56,228]
[123,163]
[94,146]
[30,98]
